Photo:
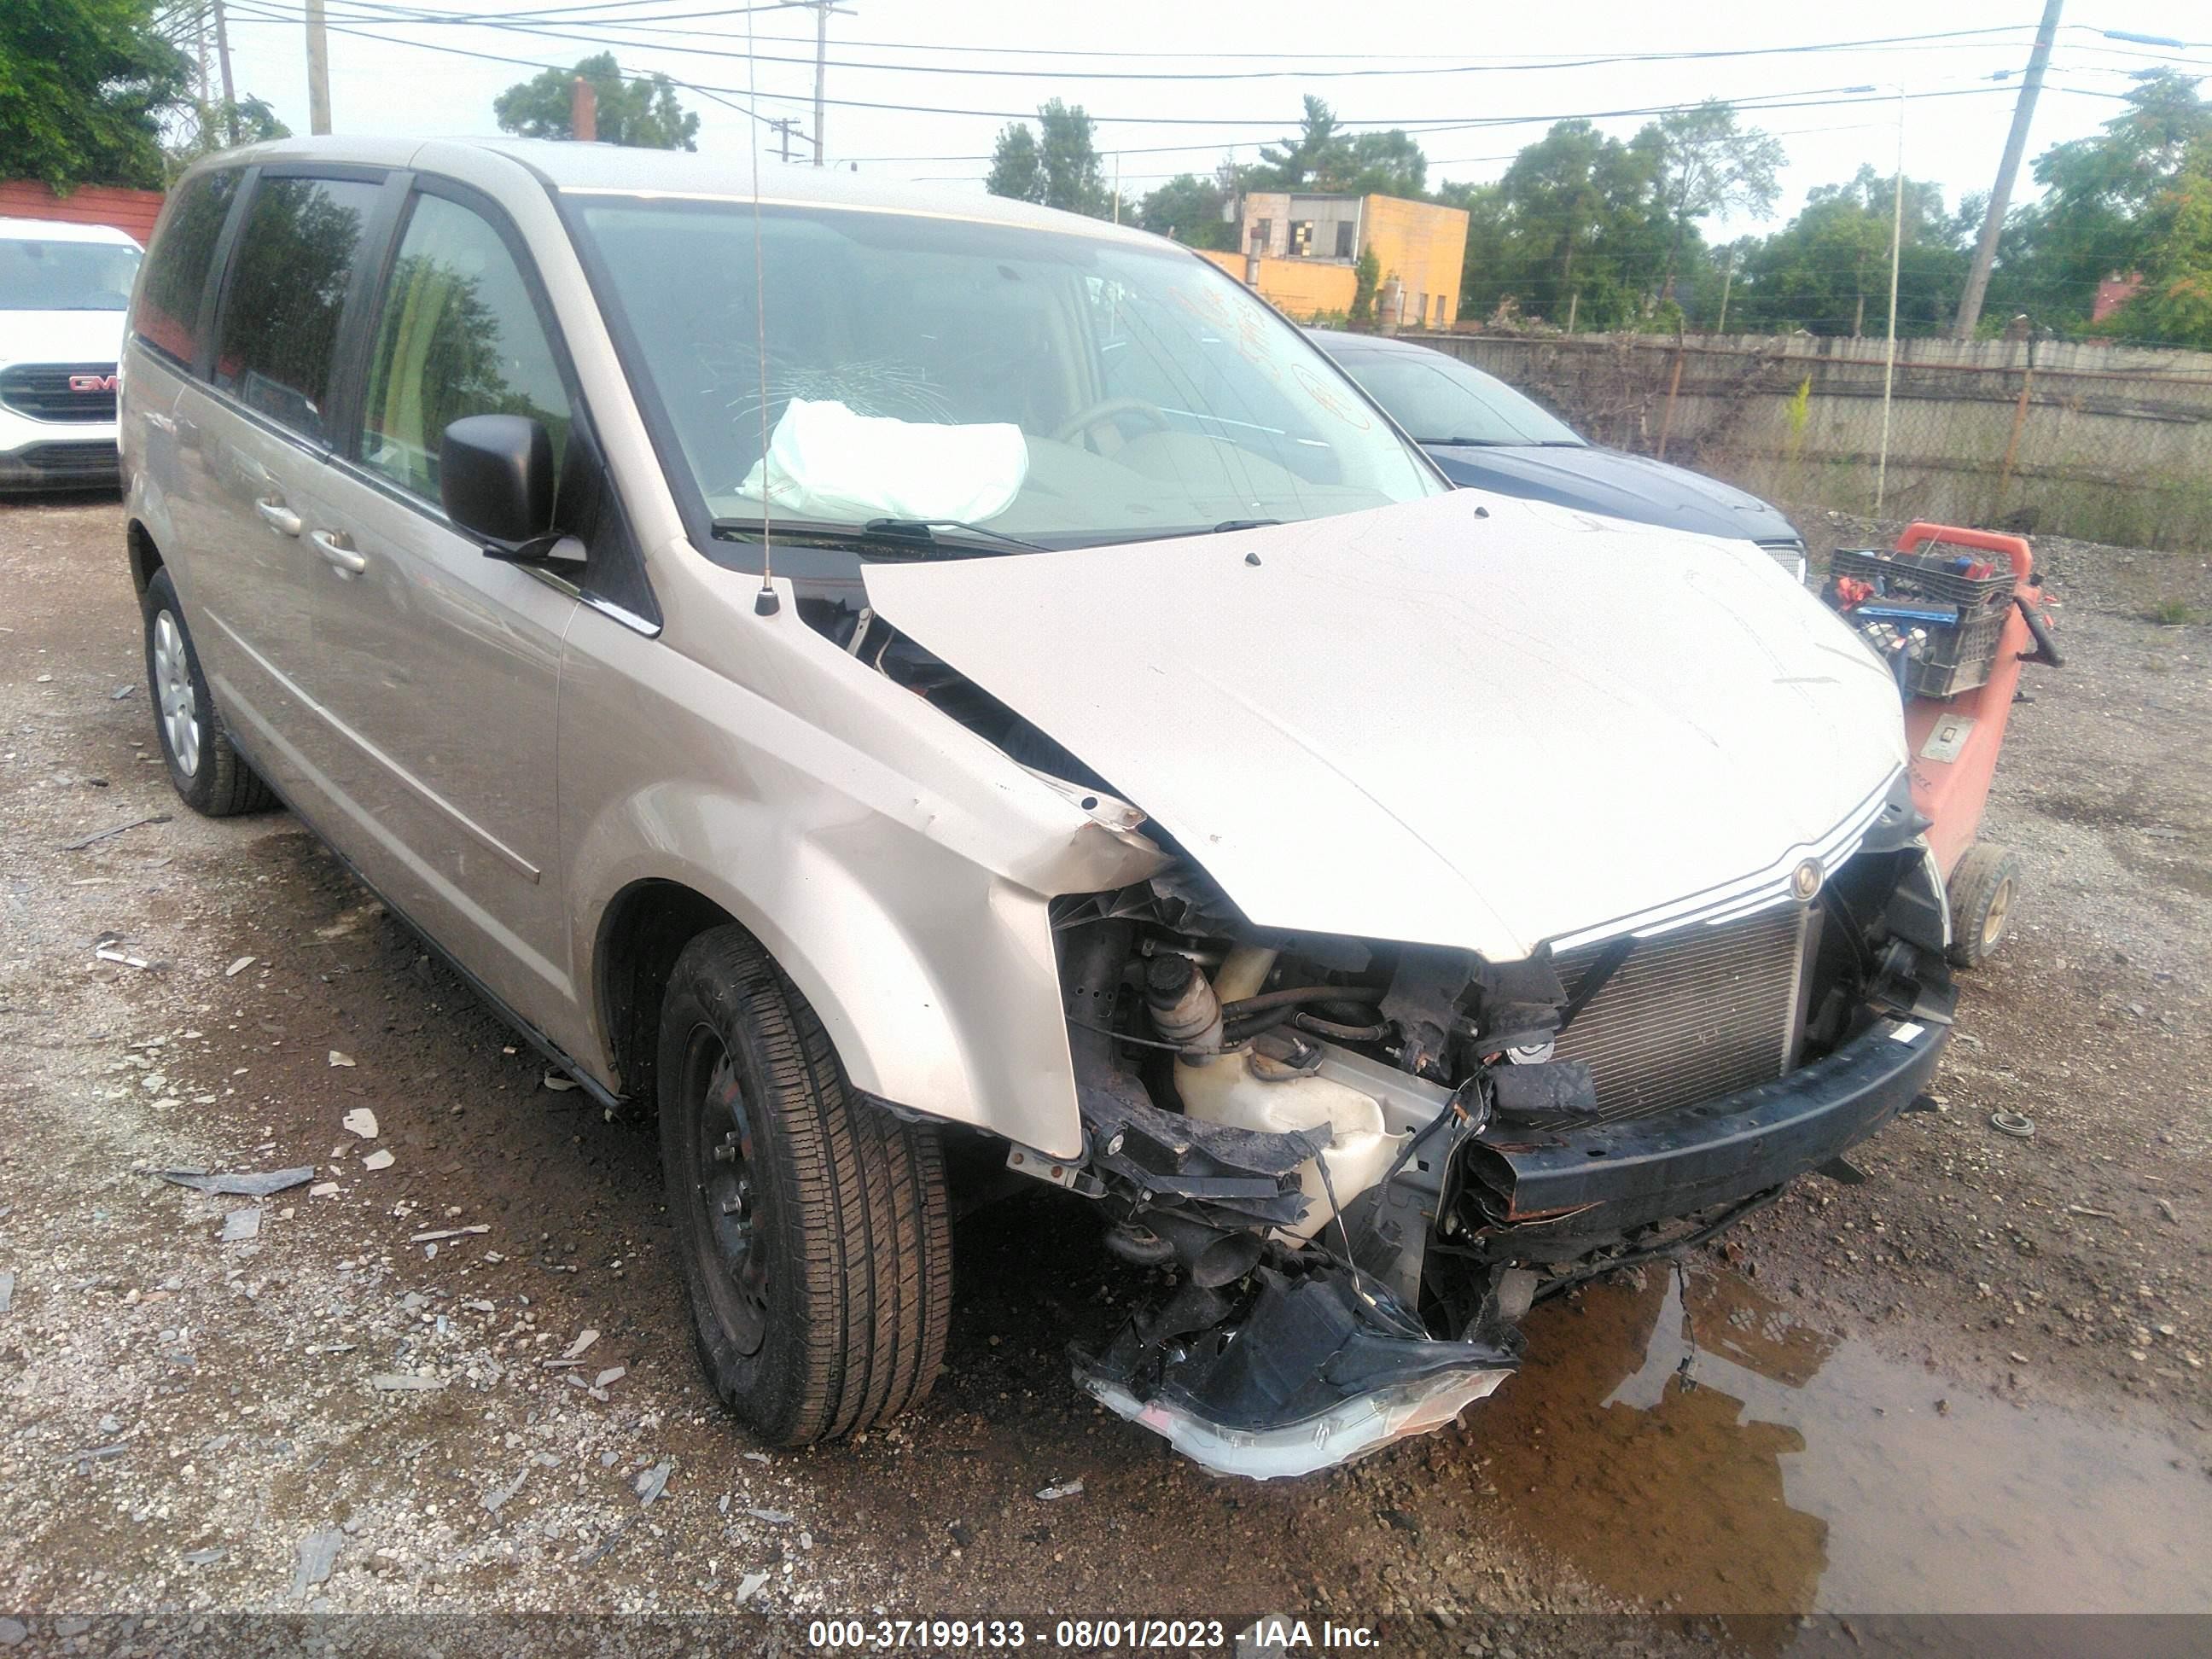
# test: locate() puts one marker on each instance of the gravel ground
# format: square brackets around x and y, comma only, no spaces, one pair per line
[334,1412]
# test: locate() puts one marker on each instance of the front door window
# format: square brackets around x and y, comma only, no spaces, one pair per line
[458,335]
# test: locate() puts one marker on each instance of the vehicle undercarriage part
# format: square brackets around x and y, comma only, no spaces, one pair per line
[1362,1162]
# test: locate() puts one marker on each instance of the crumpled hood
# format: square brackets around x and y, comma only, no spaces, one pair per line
[1618,484]
[1468,720]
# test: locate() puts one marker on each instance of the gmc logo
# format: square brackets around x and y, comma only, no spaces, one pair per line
[93,382]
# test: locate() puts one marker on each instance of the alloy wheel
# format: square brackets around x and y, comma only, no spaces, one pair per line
[174,692]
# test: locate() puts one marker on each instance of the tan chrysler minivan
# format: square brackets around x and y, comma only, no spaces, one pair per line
[865,673]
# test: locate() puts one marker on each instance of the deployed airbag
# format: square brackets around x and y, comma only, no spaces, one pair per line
[824,461]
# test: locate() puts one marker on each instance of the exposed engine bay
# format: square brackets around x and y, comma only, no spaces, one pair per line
[1326,1138]
[1362,1161]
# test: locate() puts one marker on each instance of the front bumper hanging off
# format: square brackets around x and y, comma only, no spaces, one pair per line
[1316,1370]
[1305,1370]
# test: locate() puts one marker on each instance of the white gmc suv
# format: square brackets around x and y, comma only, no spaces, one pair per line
[64,291]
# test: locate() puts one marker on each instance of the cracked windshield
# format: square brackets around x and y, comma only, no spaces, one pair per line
[1064,389]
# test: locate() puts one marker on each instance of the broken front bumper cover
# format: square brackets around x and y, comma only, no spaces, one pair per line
[1551,1192]
[1318,1369]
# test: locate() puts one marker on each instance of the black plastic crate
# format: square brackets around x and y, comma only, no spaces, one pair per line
[1957,659]
[1948,657]
[1927,574]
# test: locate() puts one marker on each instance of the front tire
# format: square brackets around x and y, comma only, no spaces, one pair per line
[204,766]
[811,1225]
[1983,887]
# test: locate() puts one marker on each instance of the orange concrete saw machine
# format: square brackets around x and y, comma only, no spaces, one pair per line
[1954,612]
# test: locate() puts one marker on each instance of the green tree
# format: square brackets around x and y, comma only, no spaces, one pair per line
[1584,231]
[1325,159]
[83,87]
[2098,215]
[220,126]
[1294,162]
[2174,304]
[642,113]
[1827,272]
[1708,165]
[1485,274]
[1017,170]
[1366,277]
[1188,208]
[1055,166]
[1375,164]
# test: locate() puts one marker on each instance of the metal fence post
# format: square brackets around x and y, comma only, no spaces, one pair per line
[1666,415]
[2019,420]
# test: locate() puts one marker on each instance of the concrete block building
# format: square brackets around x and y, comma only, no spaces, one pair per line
[1299,251]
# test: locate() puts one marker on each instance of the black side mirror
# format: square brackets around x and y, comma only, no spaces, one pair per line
[496,480]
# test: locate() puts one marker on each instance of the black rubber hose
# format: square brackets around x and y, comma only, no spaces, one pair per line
[2046,649]
[1294,995]
[1266,1020]
[1336,1033]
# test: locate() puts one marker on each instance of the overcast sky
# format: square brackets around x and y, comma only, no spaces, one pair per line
[1491,71]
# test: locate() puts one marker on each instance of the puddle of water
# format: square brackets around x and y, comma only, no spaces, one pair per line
[1788,1471]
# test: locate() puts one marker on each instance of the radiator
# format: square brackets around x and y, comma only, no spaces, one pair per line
[1700,1011]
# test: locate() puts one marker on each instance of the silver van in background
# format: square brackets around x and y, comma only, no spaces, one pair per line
[858,671]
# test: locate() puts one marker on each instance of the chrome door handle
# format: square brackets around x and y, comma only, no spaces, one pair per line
[161,423]
[332,546]
[277,515]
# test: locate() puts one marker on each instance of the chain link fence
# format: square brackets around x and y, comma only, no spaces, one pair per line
[2104,443]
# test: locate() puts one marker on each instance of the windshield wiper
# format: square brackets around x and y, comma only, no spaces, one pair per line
[925,530]
[1465,443]
[913,539]
[1244,524]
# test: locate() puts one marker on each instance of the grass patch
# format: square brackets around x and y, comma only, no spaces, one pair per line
[2172,613]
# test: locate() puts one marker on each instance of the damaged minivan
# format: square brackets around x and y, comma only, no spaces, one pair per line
[857,670]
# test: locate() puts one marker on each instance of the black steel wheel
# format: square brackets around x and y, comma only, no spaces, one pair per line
[811,1225]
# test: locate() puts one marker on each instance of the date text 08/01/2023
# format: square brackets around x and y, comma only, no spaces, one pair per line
[993,1636]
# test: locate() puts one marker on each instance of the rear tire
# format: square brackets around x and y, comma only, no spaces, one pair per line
[811,1225]
[1983,887]
[204,766]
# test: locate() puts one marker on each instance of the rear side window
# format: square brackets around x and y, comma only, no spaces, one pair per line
[458,336]
[288,286]
[168,318]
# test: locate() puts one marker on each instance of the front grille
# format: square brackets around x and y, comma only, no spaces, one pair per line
[1701,1012]
[62,464]
[43,393]
[1789,554]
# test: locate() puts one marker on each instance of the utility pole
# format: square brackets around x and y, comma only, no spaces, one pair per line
[783,124]
[2023,114]
[222,56]
[583,111]
[1889,358]
[821,9]
[319,70]
[199,40]
[1728,279]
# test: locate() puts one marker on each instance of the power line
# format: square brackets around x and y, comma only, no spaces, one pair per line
[1812,98]
[1535,60]
[253,14]
[369,11]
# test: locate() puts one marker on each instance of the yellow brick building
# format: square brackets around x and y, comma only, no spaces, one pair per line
[1299,251]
